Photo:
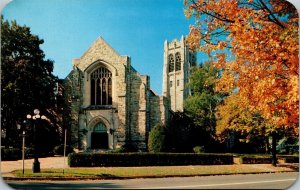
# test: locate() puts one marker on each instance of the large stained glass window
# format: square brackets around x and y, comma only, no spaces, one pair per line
[101,87]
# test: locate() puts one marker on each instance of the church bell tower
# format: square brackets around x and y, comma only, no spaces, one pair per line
[178,61]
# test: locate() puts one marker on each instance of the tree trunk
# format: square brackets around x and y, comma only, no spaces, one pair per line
[267,145]
[274,159]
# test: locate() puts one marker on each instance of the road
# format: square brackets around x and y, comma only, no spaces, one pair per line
[257,181]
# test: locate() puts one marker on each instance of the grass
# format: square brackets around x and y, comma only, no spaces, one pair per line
[163,171]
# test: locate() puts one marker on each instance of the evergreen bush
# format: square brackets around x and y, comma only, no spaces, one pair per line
[157,139]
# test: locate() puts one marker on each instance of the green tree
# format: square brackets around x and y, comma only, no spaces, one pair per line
[181,133]
[27,81]
[157,139]
[201,105]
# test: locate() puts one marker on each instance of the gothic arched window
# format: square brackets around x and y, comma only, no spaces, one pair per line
[177,61]
[101,87]
[171,63]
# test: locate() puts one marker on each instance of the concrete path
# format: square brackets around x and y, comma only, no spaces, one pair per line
[49,162]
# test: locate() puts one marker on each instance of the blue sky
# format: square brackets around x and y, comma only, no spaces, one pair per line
[137,28]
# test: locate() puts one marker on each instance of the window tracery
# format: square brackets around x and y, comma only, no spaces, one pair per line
[101,87]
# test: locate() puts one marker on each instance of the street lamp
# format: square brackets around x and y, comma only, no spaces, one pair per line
[36,116]
[23,146]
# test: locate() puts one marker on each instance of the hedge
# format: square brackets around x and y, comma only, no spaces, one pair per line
[267,159]
[146,159]
[289,159]
[255,160]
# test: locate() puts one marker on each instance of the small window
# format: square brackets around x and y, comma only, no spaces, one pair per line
[171,83]
[177,82]
[177,61]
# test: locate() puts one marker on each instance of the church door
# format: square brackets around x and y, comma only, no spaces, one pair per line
[99,137]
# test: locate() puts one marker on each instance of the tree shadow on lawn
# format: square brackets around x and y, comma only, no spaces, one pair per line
[108,176]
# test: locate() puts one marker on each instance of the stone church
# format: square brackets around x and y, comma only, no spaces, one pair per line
[110,104]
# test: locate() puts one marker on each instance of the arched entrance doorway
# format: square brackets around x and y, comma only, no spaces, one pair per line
[99,137]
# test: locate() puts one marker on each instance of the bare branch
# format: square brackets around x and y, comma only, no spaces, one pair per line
[272,16]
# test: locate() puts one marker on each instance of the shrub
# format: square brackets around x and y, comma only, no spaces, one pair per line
[118,150]
[59,150]
[199,149]
[290,159]
[256,160]
[125,149]
[157,139]
[146,159]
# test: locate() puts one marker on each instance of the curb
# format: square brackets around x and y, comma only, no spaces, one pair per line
[123,178]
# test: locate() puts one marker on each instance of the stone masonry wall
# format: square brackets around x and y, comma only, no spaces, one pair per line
[155,114]
[138,109]
[72,99]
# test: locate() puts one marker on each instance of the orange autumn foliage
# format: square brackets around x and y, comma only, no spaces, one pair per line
[255,44]
[232,115]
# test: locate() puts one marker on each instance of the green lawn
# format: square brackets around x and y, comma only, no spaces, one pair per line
[125,172]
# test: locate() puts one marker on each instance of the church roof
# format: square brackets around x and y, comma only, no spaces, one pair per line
[102,43]
[99,50]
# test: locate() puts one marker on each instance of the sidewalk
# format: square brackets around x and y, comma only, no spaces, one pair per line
[49,162]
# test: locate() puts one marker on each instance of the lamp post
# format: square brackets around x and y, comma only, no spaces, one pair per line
[65,145]
[23,147]
[36,116]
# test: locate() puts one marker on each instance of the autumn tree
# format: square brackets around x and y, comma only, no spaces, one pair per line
[27,82]
[243,125]
[255,44]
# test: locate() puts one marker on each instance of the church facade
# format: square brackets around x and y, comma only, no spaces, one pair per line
[110,104]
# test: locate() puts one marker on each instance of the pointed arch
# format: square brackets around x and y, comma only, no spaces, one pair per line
[99,119]
[171,62]
[177,61]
